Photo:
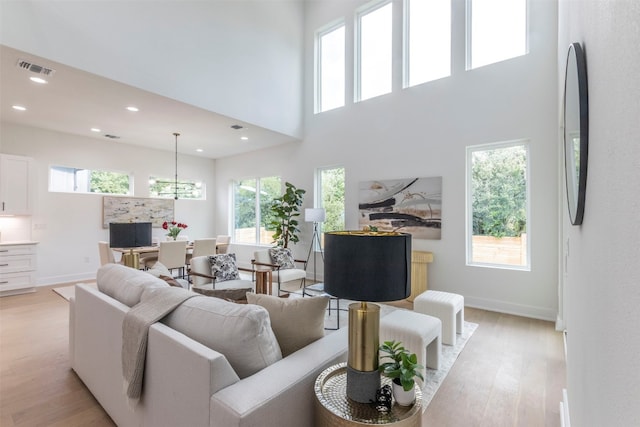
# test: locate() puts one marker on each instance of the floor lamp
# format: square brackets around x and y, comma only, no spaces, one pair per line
[316,216]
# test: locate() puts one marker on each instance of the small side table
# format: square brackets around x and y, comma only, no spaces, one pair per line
[335,409]
[263,281]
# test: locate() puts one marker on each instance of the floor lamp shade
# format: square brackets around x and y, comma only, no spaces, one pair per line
[314,215]
[366,266]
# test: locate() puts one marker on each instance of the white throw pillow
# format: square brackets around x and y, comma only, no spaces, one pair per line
[241,332]
[158,270]
[296,322]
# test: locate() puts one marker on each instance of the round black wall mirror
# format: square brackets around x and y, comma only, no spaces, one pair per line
[576,131]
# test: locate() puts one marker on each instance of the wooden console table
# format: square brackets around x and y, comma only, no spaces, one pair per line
[419,261]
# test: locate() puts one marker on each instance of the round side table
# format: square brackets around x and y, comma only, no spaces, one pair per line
[335,409]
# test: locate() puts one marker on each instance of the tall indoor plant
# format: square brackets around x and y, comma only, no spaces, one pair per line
[286,209]
[402,368]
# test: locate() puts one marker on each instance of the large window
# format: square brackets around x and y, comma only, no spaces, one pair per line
[427,40]
[330,66]
[166,188]
[498,205]
[251,214]
[496,30]
[330,196]
[374,51]
[78,180]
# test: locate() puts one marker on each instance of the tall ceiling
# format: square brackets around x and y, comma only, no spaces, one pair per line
[192,67]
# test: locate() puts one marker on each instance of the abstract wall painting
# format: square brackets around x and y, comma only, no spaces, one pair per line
[412,205]
[136,209]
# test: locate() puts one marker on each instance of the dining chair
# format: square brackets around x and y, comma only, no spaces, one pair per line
[106,254]
[173,255]
[222,244]
[201,247]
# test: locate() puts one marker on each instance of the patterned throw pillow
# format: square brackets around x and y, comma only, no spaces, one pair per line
[282,257]
[223,267]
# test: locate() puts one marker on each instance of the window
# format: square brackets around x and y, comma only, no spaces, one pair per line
[330,68]
[330,196]
[496,30]
[251,201]
[165,188]
[427,41]
[374,51]
[498,205]
[77,180]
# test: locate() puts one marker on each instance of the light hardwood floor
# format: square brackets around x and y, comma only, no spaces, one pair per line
[511,372]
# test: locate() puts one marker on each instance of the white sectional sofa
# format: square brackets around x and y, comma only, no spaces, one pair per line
[187,383]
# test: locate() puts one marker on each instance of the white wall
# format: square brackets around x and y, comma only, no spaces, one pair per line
[238,58]
[68,226]
[423,132]
[602,282]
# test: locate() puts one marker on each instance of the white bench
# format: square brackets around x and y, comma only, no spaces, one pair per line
[447,307]
[418,333]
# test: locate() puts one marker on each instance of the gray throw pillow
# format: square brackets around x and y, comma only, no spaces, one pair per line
[282,257]
[223,267]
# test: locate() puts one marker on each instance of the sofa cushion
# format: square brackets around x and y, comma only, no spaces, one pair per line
[241,332]
[296,322]
[282,257]
[223,267]
[126,284]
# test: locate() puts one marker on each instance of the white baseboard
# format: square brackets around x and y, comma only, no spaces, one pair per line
[510,308]
[564,410]
[54,280]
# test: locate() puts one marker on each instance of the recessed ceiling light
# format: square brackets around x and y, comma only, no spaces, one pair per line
[244,138]
[38,80]
[95,130]
[199,150]
[134,109]
[19,107]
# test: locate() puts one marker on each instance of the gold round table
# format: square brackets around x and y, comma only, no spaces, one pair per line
[335,409]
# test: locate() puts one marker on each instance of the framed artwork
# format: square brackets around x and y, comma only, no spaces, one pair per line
[136,209]
[411,205]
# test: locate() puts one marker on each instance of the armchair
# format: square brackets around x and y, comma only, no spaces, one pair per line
[281,273]
[202,276]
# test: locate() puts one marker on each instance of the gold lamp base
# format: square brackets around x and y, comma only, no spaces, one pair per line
[131,259]
[363,378]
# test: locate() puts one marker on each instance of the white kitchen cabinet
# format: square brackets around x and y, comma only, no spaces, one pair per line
[16,178]
[17,267]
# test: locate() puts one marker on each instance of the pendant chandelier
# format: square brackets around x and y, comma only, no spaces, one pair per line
[175,188]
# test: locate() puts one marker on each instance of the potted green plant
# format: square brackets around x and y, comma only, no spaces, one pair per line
[285,210]
[402,367]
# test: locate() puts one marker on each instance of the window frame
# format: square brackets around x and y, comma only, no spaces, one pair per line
[318,82]
[469,202]
[258,215]
[318,201]
[469,36]
[76,169]
[357,66]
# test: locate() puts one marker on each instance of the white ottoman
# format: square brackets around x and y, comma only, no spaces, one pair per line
[418,333]
[447,307]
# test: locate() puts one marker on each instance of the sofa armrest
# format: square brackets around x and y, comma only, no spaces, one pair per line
[180,376]
[286,387]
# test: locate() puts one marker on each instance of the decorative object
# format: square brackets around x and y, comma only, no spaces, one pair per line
[412,205]
[174,228]
[285,210]
[576,131]
[402,368]
[335,409]
[384,399]
[316,216]
[366,266]
[175,183]
[136,209]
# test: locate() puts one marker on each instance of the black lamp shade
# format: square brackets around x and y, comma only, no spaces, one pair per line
[367,266]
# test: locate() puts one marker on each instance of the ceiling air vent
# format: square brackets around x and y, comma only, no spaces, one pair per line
[111,136]
[35,68]
[236,127]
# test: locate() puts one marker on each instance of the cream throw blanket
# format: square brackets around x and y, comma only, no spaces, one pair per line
[135,331]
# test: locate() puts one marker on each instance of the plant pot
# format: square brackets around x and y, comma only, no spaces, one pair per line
[403,398]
